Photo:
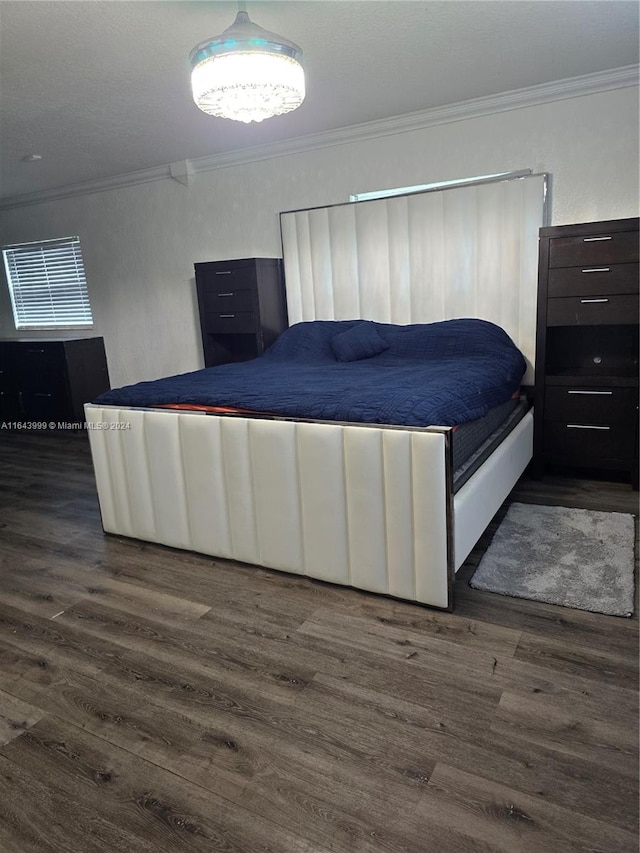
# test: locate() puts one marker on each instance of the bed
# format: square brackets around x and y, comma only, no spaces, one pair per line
[353,498]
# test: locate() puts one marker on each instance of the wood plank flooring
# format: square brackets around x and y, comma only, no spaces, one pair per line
[155,701]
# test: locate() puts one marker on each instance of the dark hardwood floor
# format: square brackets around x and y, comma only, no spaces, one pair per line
[154,701]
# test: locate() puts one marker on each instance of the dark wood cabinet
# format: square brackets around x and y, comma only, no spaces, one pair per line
[50,380]
[242,306]
[586,395]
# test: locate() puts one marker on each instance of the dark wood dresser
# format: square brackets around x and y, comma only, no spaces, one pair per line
[242,305]
[43,381]
[586,395]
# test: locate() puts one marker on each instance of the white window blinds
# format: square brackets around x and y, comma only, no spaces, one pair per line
[47,284]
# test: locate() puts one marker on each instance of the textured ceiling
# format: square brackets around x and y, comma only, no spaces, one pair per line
[102,88]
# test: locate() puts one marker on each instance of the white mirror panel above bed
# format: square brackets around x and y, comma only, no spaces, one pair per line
[462,252]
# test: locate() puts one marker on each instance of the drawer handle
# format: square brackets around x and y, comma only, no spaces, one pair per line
[223,272]
[226,316]
[35,350]
[224,294]
[41,394]
[598,269]
[586,426]
[584,301]
[594,239]
[594,393]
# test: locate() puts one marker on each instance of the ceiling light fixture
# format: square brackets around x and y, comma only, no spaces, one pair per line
[247,73]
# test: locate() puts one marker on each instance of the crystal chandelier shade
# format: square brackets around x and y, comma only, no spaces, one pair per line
[247,73]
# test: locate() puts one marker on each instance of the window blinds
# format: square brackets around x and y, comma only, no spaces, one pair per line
[47,284]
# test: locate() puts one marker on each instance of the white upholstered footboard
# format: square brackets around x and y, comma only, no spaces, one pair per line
[364,506]
[369,507]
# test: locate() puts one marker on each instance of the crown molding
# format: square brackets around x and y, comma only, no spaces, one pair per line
[558,90]
[126,179]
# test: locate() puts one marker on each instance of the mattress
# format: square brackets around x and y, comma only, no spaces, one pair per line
[444,374]
[466,438]
[474,442]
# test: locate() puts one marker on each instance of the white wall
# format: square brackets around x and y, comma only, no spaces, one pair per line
[140,242]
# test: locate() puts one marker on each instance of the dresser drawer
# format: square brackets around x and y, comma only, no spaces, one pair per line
[231,321]
[602,406]
[38,363]
[229,301]
[45,405]
[593,280]
[227,278]
[589,445]
[614,248]
[10,406]
[598,310]
[8,378]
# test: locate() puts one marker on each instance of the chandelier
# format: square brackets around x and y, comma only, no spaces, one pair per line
[247,73]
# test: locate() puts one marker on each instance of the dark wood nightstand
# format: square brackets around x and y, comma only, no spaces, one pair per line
[242,305]
[586,396]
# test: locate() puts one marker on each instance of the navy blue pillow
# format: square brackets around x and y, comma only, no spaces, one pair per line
[361,341]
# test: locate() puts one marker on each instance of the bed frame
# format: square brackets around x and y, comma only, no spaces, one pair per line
[361,505]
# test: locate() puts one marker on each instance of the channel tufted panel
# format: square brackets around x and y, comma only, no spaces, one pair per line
[166,476]
[353,505]
[323,504]
[207,506]
[464,252]
[102,469]
[276,494]
[139,503]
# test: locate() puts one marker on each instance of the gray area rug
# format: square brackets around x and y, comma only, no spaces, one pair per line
[572,557]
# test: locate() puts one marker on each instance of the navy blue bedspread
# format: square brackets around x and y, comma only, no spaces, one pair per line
[443,373]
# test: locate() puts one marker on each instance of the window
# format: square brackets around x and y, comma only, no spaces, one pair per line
[47,284]
[440,185]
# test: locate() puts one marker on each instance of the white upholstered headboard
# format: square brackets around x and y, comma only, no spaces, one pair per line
[462,252]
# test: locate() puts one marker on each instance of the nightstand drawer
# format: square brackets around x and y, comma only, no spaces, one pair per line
[598,310]
[588,445]
[601,406]
[231,321]
[222,278]
[593,280]
[606,248]
[229,301]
